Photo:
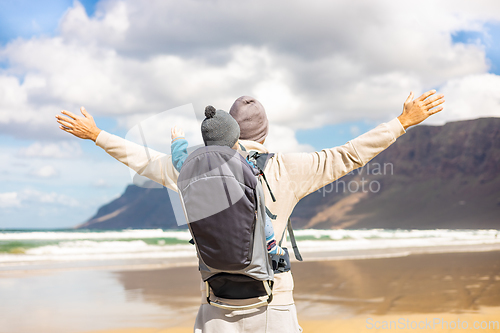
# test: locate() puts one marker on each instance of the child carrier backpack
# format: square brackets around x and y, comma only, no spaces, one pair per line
[224,205]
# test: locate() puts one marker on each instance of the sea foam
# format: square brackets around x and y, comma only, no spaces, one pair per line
[25,247]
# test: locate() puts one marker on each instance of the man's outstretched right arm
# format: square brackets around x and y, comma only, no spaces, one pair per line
[311,171]
[146,162]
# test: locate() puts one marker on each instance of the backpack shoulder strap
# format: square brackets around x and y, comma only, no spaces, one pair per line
[260,159]
[298,256]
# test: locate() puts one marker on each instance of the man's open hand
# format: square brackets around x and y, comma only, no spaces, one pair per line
[81,127]
[416,111]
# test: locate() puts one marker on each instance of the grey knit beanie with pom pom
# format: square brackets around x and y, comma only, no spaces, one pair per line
[219,128]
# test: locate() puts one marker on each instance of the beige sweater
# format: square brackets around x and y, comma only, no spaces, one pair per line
[291,176]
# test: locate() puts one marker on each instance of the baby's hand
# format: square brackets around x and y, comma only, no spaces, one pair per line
[176,132]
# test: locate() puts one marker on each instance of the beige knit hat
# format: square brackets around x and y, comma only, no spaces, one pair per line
[251,117]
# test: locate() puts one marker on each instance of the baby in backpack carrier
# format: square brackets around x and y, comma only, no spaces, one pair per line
[223,129]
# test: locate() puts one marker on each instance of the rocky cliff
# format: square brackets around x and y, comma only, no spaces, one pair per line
[431,177]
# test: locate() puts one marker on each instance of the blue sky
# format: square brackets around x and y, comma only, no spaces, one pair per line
[488,38]
[28,18]
[345,69]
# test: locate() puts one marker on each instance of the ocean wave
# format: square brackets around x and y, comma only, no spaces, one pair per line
[34,246]
[90,234]
[104,250]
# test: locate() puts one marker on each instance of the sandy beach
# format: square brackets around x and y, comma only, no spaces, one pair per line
[435,291]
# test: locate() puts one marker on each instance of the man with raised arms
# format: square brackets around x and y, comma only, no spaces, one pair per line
[291,177]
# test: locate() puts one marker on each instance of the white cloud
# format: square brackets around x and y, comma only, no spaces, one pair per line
[9,199]
[310,64]
[109,25]
[470,97]
[282,139]
[63,149]
[46,171]
[47,197]
[100,183]
[27,196]
[354,130]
